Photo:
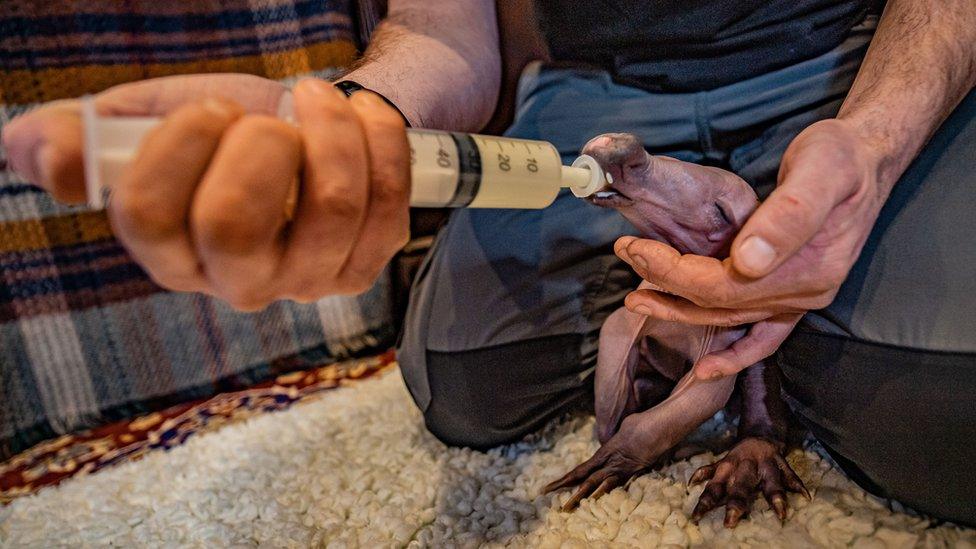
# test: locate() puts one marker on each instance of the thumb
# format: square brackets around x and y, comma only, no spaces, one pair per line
[159,96]
[44,146]
[787,220]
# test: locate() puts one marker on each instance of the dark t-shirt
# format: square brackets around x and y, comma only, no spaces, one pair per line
[688,45]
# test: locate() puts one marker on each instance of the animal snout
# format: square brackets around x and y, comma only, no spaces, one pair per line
[616,148]
[618,153]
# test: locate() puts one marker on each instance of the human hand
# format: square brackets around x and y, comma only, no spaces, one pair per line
[203,205]
[791,256]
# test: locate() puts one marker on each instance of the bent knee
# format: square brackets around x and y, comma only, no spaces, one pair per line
[462,423]
[486,397]
[897,419]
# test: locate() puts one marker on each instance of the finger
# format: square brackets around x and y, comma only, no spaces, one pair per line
[44,147]
[702,474]
[386,228]
[238,211]
[742,486]
[791,215]
[151,202]
[705,281]
[332,206]
[772,488]
[763,339]
[577,475]
[588,487]
[677,309]
[791,479]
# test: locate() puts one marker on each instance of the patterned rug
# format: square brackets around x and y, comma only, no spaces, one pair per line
[86,452]
[355,467]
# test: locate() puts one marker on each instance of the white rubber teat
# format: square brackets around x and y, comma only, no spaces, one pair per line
[584,177]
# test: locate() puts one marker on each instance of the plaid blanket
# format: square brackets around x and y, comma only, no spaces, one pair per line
[85,335]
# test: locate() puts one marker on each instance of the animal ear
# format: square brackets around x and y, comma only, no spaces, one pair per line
[739,203]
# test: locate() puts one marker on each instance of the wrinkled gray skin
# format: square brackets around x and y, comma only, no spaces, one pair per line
[647,399]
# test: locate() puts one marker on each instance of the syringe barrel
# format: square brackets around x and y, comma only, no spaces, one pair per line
[458,170]
[447,169]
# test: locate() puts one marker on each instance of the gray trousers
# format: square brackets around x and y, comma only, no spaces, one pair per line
[502,327]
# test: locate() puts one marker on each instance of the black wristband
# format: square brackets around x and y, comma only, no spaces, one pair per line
[349,87]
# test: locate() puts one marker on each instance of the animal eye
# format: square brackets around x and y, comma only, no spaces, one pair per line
[721,212]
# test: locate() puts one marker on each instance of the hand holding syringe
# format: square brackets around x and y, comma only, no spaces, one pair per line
[448,169]
[205,201]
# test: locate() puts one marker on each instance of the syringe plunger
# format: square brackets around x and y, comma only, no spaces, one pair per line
[448,169]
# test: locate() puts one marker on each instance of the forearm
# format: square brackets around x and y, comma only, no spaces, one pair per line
[921,63]
[437,60]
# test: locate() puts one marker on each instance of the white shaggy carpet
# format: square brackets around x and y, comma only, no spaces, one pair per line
[355,468]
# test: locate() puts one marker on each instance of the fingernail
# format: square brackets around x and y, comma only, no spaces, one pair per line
[639,261]
[756,254]
[42,164]
[320,87]
[371,97]
[642,310]
[218,107]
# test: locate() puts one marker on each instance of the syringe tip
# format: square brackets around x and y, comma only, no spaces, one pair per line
[585,177]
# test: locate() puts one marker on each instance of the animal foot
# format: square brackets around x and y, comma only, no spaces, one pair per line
[752,465]
[628,453]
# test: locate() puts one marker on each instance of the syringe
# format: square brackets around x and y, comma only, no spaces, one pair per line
[448,169]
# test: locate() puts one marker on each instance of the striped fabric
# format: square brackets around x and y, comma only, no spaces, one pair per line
[85,335]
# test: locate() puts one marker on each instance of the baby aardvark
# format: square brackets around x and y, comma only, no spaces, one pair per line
[647,398]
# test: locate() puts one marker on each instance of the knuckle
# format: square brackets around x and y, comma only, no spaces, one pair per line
[261,128]
[834,279]
[739,317]
[143,218]
[672,315]
[197,121]
[305,297]
[794,207]
[340,204]
[174,282]
[339,111]
[395,239]
[717,295]
[390,188]
[224,229]
[821,301]
[383,118]
[338,197]
[357,281]
[353,287]
[246,299]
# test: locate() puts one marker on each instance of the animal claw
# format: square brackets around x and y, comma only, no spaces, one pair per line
[732,517]
[779,506]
